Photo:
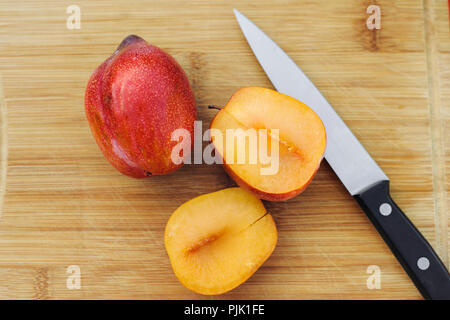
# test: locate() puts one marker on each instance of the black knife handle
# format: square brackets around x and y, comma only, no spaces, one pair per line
[413,252]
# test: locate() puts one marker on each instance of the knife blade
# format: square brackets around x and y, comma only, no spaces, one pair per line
[356,169]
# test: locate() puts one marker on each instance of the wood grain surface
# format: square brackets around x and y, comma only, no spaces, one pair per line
[63,204]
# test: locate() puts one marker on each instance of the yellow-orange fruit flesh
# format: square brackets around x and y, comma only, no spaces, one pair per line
[217,241]
[301,141]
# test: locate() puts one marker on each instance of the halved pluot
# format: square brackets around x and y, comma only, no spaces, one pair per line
[301,142]
[218,240]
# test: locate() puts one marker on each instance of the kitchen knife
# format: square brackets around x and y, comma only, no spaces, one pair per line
[359,173]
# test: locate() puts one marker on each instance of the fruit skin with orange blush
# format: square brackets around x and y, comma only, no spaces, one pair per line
[133,102]
[302,141]
[218,240]
[262,194]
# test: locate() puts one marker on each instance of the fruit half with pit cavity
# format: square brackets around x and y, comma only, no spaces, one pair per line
[218,240]
[134,101]
[289,147]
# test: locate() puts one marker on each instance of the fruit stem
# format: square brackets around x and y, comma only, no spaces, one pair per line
[127,41]
[212,106]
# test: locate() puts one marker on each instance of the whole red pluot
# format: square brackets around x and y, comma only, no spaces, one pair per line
[134,101]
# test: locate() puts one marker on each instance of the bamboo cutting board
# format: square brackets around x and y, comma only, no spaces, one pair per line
[63,205]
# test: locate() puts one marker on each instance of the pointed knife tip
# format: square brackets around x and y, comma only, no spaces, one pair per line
[237,13]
